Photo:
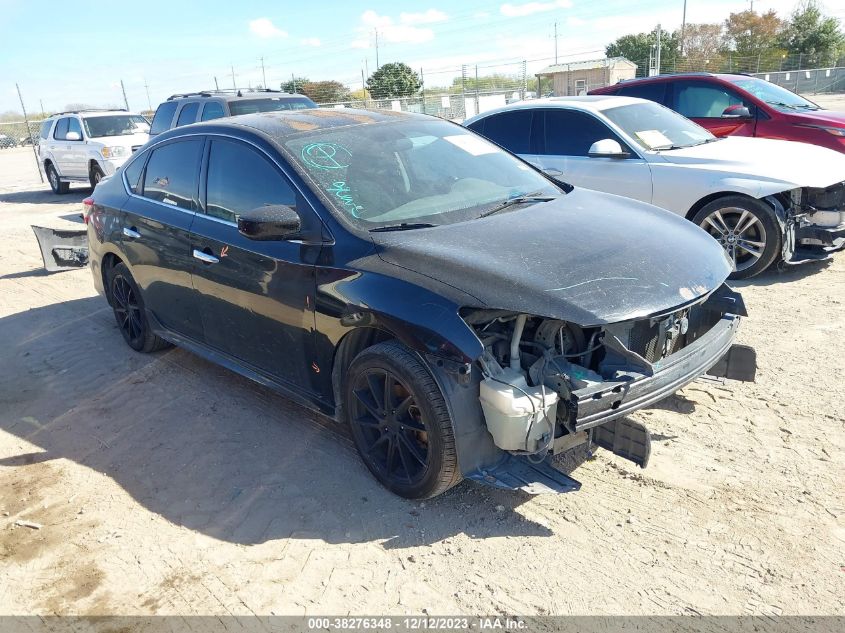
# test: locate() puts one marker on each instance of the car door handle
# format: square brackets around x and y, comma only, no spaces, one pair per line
[131,233]
[205,258]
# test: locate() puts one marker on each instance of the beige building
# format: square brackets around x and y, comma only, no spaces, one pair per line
[578,78]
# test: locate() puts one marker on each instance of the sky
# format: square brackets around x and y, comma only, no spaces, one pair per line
[63,53]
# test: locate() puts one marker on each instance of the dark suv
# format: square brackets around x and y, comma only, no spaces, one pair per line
[739,105]
[190,107]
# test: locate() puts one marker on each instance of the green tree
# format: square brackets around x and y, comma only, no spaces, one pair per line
[701,48]
[295,84]
[393,80]
[809,32]
[750,34]
[324,91]
[638,47]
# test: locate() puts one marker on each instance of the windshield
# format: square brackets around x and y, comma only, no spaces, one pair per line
[653,126]
[774,95]
[431,172]
[270,104]
[115,125]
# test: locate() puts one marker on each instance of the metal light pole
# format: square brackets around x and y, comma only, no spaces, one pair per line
[657,54]
[683,27]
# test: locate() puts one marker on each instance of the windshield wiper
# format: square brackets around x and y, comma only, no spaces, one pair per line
[404,226]
[517,200]
[793,106]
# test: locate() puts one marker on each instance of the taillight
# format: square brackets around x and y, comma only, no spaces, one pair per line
[89,203]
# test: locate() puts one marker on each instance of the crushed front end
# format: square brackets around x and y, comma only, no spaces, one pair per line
[548,384]
[813,221]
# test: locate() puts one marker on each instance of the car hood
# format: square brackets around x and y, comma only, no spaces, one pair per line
[588,257]
[819,117]
[787,164]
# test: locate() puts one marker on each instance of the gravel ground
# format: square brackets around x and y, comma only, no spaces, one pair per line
[164,484]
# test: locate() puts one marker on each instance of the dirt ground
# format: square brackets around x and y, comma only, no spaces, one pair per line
[165,484]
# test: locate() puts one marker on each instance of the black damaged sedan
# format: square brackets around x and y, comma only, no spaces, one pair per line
[465,314]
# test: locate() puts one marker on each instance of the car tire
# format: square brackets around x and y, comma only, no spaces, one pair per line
[402,428]
[95,175]
[747,229]
[128,306]
[56,185]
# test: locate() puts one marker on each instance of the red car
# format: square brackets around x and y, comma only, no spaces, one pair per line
[739,105]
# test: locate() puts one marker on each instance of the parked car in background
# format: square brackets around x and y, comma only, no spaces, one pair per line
[765,201]
[452,304]
[191,107]
[739,105]
[87,145]
[7,141]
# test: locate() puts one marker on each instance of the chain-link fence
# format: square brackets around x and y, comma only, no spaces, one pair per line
[815,81]
[729,62]
[16,133]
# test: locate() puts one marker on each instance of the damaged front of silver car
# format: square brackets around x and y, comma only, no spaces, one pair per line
[588,309]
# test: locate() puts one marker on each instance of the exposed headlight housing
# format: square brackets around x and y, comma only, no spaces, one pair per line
[113,152]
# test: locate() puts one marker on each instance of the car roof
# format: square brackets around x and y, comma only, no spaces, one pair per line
[687,75]
[226,95]
[588,103]
[90,113]
[283,124]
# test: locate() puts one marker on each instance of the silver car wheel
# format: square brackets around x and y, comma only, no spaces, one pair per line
[740,233]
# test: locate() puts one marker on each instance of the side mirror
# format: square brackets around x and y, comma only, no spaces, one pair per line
[270,223]
[72,136]
[736,112]
[607,148]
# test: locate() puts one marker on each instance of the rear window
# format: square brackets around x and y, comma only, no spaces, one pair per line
[511,130]
[188,114]
[163,117]
[45,128]
[653,92]
[270,104]
[212,110]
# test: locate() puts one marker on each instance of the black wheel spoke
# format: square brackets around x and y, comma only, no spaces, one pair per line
[413,450]
[365,398]
[401,449]
[391,453]
[381,440]
[369,422]
[376,390]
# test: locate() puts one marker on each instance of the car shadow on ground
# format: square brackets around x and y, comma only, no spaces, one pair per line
[45,196]
[207,449]
[785,274]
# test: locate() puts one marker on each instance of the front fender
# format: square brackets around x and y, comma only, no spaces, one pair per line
[419,317]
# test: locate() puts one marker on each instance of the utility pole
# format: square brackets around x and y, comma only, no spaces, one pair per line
[293,81]
[657,54]
[263,76]
[41,102]
[422,82]
[149,103]
[216,86]
[376,32]
[125,102]
[29,133]
[555,42]
[234,85]
[683,27]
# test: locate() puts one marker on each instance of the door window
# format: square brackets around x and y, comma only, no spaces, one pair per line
[240,180]
[73,126]
[163,117]
[704,101]
[188,114]
[572,133]
[45,129]
[212,110]
[61,129]
[171,175]
[511,130]
[653,92]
